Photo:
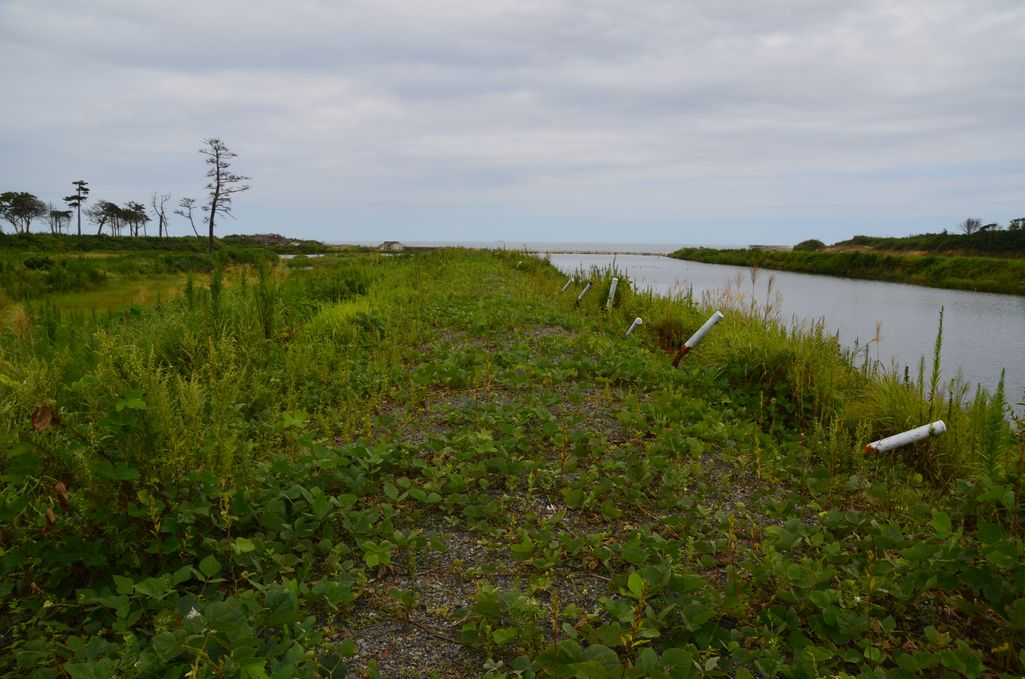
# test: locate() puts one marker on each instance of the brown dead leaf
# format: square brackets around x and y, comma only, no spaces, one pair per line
[51,518]
[44,417]
[61,492]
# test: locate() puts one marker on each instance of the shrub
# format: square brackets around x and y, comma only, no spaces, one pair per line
[811,245]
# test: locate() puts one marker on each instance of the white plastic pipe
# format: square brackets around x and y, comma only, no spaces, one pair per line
[703,330]
[909,436]
[567,284]
[696,337]
[633,326]
[612,293]
[584,291]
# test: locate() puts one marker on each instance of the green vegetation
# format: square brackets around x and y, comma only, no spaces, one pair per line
[435,463]
[984,274]
[62,243]
[810,245]
[982,242]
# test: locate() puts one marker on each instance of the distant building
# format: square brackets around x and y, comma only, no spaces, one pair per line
[391,246]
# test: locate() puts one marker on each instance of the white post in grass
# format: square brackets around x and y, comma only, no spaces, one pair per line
[904,438]
[571,279]
[612,293]
[696,337]
[584,291]
[633,326]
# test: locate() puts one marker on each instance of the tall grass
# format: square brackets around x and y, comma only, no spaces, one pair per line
[209,377]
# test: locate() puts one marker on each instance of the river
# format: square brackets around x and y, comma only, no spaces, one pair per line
[982,333]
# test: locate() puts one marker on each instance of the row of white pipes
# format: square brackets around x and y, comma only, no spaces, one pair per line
[881,446]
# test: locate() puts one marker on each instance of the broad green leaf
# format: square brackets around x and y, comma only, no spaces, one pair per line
[155,588]
[210,566]
[503,635]
[183,574]
[941,523]
[166,646]
[123,585]
[635,583]
[242,545]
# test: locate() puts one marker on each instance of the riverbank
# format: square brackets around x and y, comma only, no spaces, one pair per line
[981,274]
[440,463]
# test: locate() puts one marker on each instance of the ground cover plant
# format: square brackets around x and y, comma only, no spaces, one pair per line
[441,464]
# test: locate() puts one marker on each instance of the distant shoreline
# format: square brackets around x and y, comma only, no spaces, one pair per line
[558,247]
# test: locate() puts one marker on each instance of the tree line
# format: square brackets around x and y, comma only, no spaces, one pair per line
[974,225]
[21,208]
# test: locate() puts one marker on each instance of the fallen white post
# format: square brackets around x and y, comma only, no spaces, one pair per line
[571,279]
[696,337]
[612,293]
[904,438]
[633,326]
[584,291]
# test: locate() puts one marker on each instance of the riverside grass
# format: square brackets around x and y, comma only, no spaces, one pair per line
[435,464]
[1004,275]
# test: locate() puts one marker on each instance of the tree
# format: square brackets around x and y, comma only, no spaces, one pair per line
[222,186]
[185,206]
[77,198]
[1016,224]
[970,225]
[59,219]
[134,215]
[20,208]
[104,213]
[158,201]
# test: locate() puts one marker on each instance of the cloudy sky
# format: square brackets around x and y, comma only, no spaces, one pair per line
[688,121]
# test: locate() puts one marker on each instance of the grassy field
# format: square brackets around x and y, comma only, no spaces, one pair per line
[438,464]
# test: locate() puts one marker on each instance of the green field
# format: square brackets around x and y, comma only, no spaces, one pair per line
[437,464]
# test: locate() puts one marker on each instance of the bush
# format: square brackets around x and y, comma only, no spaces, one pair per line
[811,245]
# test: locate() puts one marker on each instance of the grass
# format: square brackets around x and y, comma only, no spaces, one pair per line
[126,292]
[947,270]
[437,463]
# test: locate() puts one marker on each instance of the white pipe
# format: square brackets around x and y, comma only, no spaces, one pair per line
[633,326]
[612,293]
[584,291]
[567,284]
[909,436]
[703,330]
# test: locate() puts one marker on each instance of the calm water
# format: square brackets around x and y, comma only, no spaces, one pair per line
[982,333]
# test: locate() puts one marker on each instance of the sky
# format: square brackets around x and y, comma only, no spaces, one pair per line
[643,121]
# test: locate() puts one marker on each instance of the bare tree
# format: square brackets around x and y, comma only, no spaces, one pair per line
[223,184]
[185,206]
[158,201]
[970,225]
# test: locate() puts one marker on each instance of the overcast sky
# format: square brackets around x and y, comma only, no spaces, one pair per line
[704,121]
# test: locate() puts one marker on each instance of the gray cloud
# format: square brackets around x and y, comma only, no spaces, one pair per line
[801,115]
